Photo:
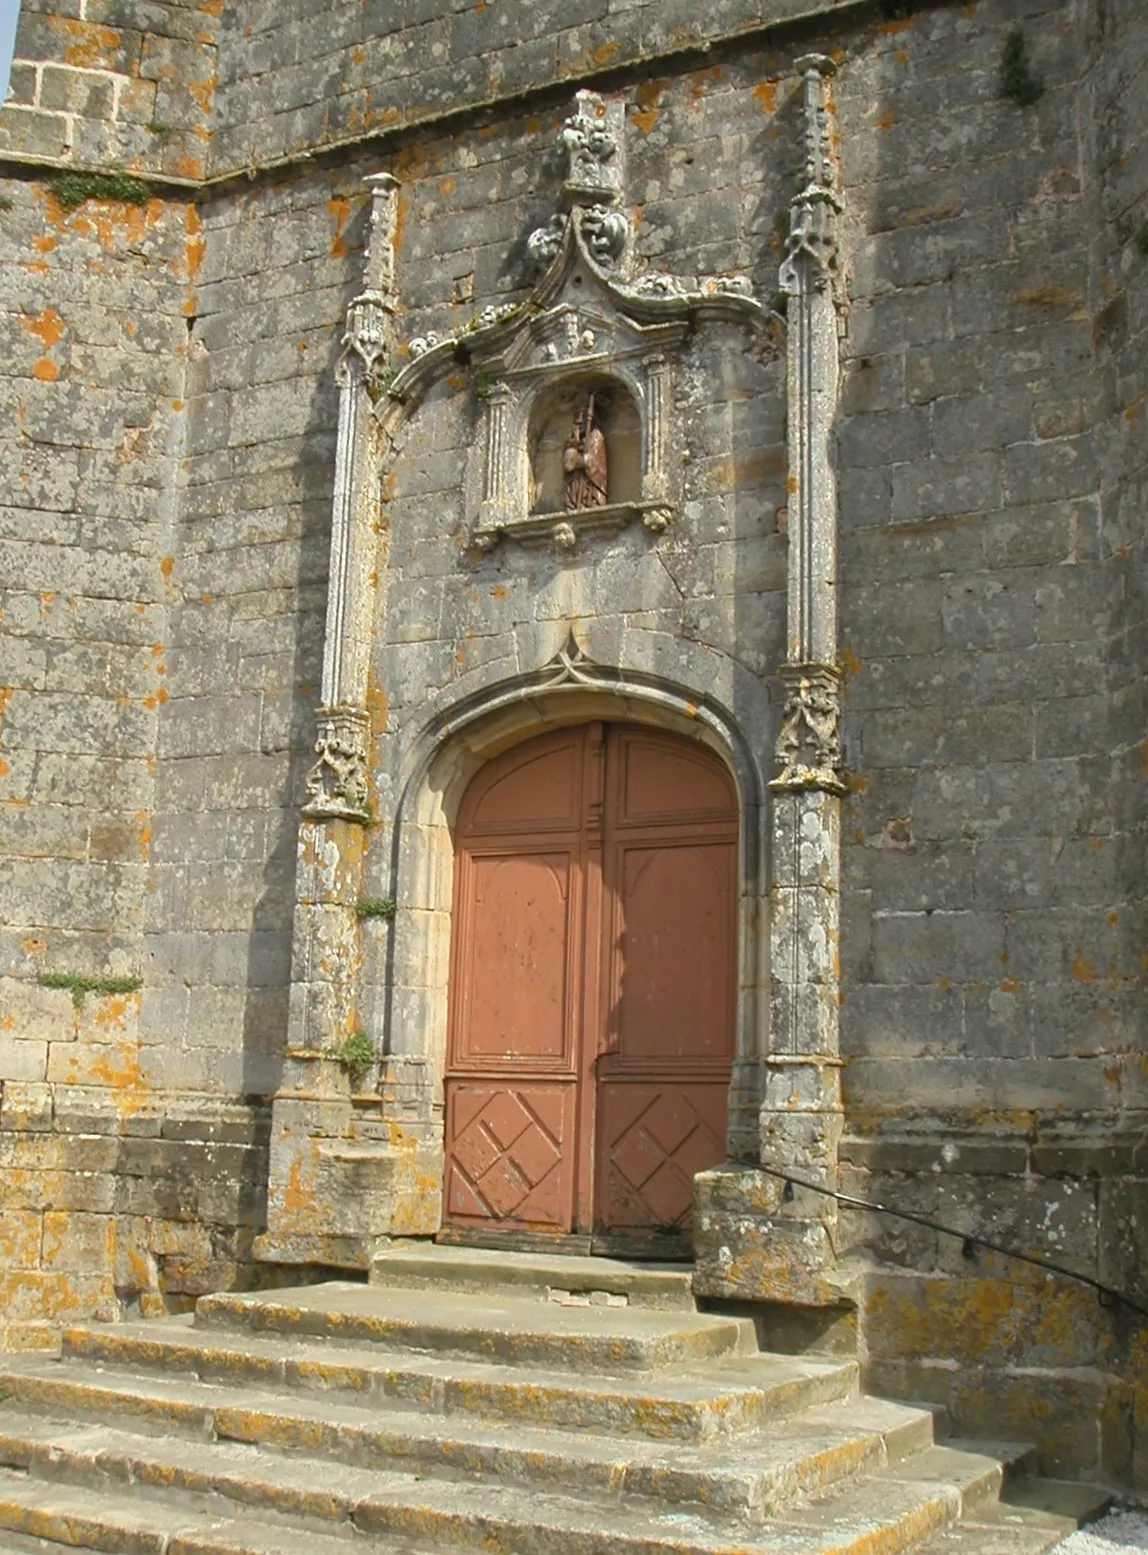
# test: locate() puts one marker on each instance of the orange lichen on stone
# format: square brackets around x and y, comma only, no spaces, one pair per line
[48,327]
[90,46]
[378,705]
[698,82]
[196,244]
[45,370]
[765,93]
[1083,969]
[649,96]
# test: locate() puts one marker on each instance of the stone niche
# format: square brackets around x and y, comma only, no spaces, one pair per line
[585,411]
[576,425]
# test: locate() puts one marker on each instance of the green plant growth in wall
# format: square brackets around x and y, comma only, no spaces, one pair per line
[5,203]
[375,907]
[72,189]
[81,985]
[1017,79]
[356,1054]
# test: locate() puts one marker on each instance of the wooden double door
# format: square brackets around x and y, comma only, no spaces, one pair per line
[593,989]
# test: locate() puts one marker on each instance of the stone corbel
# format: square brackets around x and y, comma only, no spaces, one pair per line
[337,783]
[809,743]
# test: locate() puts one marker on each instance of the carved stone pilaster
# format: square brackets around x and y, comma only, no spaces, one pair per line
[337,783]
[801,1113]
[319,1206]
[334,783]
[806,275]
[497,472]
[655,475]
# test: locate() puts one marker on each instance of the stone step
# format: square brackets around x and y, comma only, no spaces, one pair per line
[130,1524]
[878,1515]
[561,1278]
[747,1478]
[1034,1516]
[724,1397]
[508,1329]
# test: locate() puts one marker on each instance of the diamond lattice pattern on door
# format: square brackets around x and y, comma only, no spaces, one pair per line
[507,1156]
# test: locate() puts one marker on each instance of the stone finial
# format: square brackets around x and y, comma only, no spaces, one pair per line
[379,268]
[591,149]
[811,248]
[368,331]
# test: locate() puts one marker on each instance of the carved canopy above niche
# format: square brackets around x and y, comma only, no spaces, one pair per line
[577,381]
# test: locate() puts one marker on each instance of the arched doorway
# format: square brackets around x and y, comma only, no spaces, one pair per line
[593,989]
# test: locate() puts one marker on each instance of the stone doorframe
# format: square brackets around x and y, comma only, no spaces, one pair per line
[346,1170]
[447,756]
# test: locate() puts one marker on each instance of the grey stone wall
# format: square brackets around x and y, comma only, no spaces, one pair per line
[992,935]
[112,84]
[286,85]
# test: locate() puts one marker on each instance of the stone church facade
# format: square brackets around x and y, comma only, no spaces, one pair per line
[574,651]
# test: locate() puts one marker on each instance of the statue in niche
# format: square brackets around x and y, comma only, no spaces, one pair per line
[584,462]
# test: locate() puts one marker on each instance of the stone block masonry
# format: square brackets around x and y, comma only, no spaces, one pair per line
[169,422]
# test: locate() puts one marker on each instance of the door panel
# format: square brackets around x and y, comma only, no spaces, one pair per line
[543,792]
[593,985]
[516,1001]
[673,932]
[654,1138]
[510,1160]
[659,782]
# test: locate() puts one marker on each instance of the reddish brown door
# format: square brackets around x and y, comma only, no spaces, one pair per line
[593,984]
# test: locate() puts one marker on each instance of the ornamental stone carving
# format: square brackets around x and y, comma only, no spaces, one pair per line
[814,209]
[544,242]
[590,144]
[337,783]
[605,232]
[591,150]
[586,336]
[809,743]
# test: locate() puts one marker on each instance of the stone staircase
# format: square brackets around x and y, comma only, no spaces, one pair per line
[484,1401]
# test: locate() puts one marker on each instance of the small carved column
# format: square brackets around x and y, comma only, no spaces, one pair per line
[801,1117]
[752,1241]
[496,479]
[654,474]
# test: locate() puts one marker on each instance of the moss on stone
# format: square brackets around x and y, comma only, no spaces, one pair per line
[72,189]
